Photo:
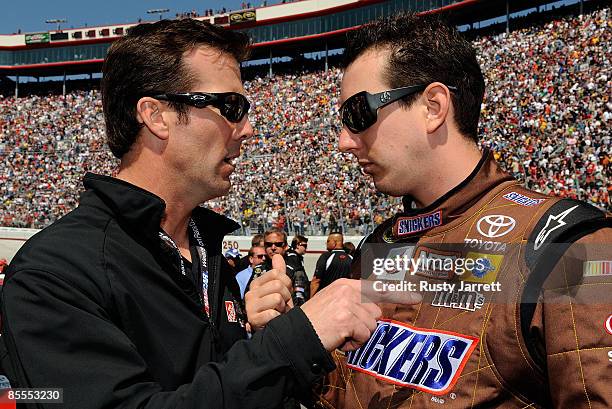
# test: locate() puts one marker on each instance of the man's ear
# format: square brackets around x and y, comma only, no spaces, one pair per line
[438,100]
[149,111]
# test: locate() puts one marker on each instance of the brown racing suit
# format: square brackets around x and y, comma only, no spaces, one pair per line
[542,338]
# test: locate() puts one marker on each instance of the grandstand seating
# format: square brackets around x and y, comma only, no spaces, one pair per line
[547,116]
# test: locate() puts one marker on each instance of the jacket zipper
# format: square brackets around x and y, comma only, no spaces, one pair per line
[214,282]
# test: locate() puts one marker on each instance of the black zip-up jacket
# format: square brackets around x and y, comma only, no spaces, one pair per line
[95,304]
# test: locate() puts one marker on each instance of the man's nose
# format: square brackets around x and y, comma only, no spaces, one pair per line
[348,141]
[247,130]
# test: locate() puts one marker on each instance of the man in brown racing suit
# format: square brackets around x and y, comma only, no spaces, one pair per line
[529,322]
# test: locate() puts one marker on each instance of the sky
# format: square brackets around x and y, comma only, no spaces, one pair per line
[30,15]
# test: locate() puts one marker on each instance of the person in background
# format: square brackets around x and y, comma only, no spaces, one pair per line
[232,256]
[296,270]
[332,265]
[257,256]
[349,248]
[244,262]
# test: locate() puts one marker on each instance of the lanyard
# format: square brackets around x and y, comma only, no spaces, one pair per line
[201,255]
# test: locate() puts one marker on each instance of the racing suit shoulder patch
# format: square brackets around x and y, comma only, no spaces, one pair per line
[429,360]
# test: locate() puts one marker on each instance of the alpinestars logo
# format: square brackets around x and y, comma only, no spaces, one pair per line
[553,223]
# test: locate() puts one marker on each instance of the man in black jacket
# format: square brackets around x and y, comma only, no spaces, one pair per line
[127,301]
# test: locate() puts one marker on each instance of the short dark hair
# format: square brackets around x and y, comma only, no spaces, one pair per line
[275,230]
[258,238]
[298,238]
[425,49]
[150,59]
[252,253]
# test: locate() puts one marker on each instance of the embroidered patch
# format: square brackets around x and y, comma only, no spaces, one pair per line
[231,311]
[522,199]
[405,226]
[554,222]
[429,360]
[597,268]
[460,300]
[495,225]
[485,269]
[435,263]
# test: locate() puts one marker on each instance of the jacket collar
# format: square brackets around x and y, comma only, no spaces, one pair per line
[142,211]
[413,222]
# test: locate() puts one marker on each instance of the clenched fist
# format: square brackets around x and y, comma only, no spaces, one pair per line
[269,295]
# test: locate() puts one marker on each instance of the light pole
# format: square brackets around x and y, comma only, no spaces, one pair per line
[158,11]
[57,21]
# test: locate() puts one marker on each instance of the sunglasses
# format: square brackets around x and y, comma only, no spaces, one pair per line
[360,111]
[275,243]
[232,105]
[303,245]
[259,256]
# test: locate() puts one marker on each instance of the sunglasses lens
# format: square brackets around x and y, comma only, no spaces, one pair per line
[235,107]
[274,243]
[356,114]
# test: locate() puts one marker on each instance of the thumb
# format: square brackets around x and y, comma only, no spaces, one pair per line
[278,263]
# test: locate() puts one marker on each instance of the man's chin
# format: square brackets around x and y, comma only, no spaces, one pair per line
[388,188]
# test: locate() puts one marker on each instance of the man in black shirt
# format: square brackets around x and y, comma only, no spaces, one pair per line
[332,265]
[127,301]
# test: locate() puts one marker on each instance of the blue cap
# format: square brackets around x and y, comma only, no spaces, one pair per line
[232,253]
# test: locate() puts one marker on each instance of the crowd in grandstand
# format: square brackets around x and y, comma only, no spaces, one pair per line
[547,116]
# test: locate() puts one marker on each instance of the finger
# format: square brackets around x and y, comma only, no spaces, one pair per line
[369,314]
[265,277]
[366,314]
[258,321]
[289,304]
[361,334]
[274,287]
[372,310]
[278,263]
[273,301]
[371,292]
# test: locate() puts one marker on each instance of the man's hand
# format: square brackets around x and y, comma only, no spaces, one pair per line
[343,314]
[269,295]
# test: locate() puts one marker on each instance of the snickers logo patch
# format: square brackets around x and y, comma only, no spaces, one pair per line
[425,359]
[522,199]
[405,226]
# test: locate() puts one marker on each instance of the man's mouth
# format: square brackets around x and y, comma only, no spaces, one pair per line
[231,160]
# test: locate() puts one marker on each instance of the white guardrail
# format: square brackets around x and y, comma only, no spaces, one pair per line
[11,239]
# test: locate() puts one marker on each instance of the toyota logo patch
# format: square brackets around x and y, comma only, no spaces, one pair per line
[495,225]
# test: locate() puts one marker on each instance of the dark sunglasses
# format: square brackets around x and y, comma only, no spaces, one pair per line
[232,105]
[275,243]
[303,245]
[359,111]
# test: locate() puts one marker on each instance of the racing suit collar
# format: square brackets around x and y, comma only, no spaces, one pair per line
[451,205]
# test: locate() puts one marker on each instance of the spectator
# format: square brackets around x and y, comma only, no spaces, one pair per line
[546,116]
[256,256]
[332,265]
